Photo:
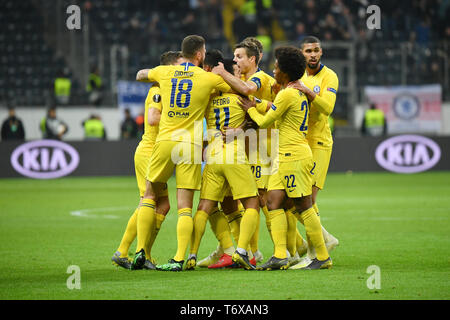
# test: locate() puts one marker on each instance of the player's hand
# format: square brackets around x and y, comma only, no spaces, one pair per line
[298,85]
[228,134]
[219,69]
[245,103]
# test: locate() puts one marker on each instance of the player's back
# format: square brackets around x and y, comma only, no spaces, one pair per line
[293,125]
[185,91]
[224,111]
[324,81]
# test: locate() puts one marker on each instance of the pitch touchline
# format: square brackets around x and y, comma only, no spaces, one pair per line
[86,213]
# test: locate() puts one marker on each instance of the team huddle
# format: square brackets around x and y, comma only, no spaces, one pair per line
[268,146]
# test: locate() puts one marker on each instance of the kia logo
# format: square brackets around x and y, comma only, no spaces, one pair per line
[45,159]
[408,154]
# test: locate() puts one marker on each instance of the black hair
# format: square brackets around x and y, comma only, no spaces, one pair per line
[291,61]
[228,65]
[310,39]
[213,57]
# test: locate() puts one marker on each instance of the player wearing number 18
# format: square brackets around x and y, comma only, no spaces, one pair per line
[185,91]
[293,168]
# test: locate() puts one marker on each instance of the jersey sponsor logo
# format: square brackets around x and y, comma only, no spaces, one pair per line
[183,74]
[406,106]
[257,81]
[332,90]
[178,114]
[316,89]
[45,159]
[156,98]
[408,154]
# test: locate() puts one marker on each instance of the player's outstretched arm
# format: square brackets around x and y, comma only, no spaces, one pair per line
[263,121]
[245,88]
[142,75]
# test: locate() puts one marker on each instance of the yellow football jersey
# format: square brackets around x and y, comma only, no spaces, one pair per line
[224,111]
[290,110]
[185,91]
[324,84]
[153,100]
[264,83]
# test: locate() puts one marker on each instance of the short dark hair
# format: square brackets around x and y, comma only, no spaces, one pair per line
[251,49]
[169,57]
[213,57]
[191,45]
[310,39]
[228,65]
[291,61]
[256,42]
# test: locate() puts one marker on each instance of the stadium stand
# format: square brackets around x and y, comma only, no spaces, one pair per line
[413,34]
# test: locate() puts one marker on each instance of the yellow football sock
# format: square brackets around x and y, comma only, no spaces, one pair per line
[267,215]
[255,237]
[234,220]
[159,220]
[300,243]
[145,224]
[185,226]
[248,225]
[291,231]
[200,221]
[314,232]
[221,229]
[278,224]
[129,235]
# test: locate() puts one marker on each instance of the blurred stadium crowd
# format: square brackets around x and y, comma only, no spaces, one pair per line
[413,33]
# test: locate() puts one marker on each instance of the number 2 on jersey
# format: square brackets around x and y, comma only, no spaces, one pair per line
[181,92]
[304,127]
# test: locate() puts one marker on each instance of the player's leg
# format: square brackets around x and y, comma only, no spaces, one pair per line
[162,208]
[159,170]
[145,225]
[314,232]
[296,245]
[221,229]
[322,160]
[120,257]
[188,179]
[204,209]
[247,228]
[275,201]
[233,213]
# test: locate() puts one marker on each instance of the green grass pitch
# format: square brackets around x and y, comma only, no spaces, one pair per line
[399,223]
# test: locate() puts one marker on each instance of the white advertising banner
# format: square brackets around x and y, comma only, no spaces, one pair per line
[409,109]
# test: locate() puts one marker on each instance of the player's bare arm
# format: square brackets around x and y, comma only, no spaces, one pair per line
[142,75]
[235,83]
[153,117]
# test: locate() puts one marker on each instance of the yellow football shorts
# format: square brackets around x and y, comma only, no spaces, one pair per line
[141,167]
[218,179]
[184,158]
[295,177]
[322,159]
